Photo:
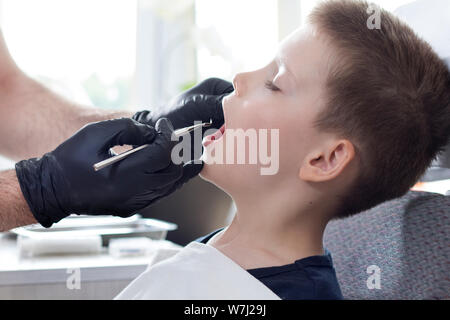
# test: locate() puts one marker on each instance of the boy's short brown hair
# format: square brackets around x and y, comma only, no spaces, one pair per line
[389,94]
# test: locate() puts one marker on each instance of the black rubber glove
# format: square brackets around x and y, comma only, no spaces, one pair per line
[63,181]
[200,103]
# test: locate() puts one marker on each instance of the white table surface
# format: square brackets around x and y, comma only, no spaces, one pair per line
[17,270]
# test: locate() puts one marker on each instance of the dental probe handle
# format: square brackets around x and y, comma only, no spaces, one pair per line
[178,133]
[107,162]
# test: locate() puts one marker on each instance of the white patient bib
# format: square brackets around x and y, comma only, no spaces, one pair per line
[197,271]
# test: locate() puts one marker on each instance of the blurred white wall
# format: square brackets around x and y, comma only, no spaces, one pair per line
[235,35]
[165,50]
[64,43]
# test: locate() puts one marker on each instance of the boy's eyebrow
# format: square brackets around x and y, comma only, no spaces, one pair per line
[281,62]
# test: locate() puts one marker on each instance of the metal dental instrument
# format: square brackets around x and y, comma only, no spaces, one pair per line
[178,133]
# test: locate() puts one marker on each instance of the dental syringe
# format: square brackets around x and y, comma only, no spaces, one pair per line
[178,133]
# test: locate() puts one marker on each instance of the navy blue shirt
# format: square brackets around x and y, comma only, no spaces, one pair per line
[306,279]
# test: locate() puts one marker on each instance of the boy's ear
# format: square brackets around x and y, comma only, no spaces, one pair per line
[327,164]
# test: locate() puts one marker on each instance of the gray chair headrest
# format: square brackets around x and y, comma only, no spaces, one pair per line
[406,238]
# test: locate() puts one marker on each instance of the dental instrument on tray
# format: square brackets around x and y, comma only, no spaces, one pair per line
[178,133]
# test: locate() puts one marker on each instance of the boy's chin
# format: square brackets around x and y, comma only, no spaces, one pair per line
[207,172]
[228,178]
[216,174]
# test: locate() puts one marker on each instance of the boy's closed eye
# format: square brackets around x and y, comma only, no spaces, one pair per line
[269,85]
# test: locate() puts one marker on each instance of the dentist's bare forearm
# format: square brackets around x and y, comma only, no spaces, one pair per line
[14,210]
[34,120]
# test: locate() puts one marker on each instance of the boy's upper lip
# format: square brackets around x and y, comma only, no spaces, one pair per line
[225,106]
[219,113]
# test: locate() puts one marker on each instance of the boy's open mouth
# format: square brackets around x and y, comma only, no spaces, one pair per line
[213,137]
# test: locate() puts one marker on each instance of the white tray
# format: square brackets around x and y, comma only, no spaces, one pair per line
[107,227]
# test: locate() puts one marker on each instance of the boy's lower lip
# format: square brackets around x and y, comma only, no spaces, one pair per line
[213,137]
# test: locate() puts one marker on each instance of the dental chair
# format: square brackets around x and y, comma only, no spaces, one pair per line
[403,242]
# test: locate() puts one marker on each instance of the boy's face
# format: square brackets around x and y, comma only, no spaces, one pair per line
[298,73]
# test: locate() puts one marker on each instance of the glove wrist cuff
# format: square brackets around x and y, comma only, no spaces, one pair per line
[37,188]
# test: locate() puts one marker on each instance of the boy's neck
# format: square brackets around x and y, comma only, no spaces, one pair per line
[264,236]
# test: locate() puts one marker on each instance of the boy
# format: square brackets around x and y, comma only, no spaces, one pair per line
[361,114]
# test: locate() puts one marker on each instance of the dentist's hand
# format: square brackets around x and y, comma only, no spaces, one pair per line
[200,103]
[63,181]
